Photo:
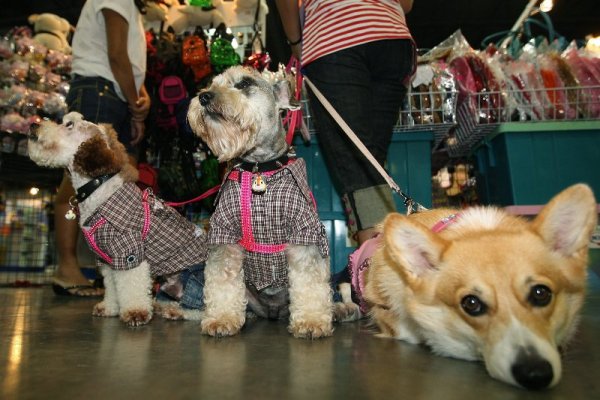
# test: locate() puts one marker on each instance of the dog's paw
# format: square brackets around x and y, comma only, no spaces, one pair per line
[102,310]
[136,317]
[311,329]
[346,312]
[171,311]
[222,326]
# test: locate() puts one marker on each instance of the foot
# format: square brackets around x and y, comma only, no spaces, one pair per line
[346,312]
[311,329]
[227,325]
[103,310]
[70,278]
[136,317]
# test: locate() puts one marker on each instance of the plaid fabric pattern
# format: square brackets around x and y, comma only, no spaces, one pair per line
[285,213]
[173,243]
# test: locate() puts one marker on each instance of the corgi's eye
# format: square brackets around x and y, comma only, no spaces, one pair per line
[244,83]
[473,305]
[540,296]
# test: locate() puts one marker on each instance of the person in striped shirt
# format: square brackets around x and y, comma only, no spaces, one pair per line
[360,54]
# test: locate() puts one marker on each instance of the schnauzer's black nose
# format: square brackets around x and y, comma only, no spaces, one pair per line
[205,98]
[32,135]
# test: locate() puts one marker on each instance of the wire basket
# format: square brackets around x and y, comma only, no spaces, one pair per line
[431,111]
[480,114]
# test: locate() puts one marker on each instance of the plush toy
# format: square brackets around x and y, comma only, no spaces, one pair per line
[156,13]
[51,31]
[188,17]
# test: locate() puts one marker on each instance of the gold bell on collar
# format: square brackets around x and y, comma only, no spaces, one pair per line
[259,185]
[71,214]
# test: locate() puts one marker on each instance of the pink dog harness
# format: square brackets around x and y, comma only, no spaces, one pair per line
[360,260]
[264,222]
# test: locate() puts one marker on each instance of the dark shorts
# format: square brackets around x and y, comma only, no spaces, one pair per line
[96,99]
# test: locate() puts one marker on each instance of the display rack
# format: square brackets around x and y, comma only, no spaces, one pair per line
[480,114]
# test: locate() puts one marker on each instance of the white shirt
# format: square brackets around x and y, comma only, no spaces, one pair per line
[90,52]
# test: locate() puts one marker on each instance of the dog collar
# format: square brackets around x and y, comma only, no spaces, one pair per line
[86,190]
[444,222]
[266,166]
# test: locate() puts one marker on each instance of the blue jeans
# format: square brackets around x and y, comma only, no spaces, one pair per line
[191,280]
[96,99]
[366,86]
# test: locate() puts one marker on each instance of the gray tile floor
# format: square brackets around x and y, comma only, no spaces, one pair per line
[52,348]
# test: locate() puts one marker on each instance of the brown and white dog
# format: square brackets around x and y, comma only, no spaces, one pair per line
[480,284]
[135,235]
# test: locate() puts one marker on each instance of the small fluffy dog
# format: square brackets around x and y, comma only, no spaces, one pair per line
[135,235]
[480,284]
[268,246]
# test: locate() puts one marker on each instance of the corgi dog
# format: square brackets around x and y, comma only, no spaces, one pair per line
[481,284]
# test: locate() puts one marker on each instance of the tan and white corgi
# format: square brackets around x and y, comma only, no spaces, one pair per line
[486,285]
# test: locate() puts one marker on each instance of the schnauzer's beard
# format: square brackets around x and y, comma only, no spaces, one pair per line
[229,131]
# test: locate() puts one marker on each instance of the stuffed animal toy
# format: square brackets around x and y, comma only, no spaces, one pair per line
[155,13]
[51,31]
[188,17]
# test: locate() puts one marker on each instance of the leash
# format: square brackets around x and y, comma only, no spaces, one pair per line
[411,205]
[204,195]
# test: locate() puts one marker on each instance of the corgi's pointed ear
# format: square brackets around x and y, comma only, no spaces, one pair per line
[566,223]
[413,248]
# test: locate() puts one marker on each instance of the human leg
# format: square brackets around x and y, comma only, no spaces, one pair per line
[68,278]
[346,81]
[96,101]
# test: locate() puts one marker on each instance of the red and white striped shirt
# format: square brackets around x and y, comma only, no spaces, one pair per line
[330,26]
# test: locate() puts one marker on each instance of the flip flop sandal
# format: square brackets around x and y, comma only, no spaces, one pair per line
[73,290]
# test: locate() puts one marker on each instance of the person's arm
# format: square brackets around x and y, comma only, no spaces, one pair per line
[118,58]
[406,5]
[290,18]
[139,103]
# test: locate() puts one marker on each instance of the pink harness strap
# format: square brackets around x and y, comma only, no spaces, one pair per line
[89,233]
[444,222]
[247,241]
[360,259]
[89,237]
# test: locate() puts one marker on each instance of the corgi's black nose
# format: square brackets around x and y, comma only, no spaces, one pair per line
[205,98]
[32,134]
[532,372]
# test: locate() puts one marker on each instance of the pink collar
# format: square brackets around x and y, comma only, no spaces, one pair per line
[445,222]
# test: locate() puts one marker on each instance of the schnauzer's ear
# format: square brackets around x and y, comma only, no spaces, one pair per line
[284,96]
[101,154]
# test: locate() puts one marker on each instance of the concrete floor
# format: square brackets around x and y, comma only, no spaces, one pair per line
[52,348]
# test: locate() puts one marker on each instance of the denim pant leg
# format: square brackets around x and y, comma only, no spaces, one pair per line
[96,99]
[193,283]
[365,84]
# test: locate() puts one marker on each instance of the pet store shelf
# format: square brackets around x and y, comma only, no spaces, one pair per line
[483,113]
[526,163]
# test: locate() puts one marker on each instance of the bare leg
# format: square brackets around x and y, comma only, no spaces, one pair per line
[66,231]
[364,235]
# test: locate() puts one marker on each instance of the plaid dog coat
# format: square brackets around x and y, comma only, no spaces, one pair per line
[133,226]
[284,214]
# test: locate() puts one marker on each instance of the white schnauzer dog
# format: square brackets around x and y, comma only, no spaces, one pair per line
[268,248]
[135,235]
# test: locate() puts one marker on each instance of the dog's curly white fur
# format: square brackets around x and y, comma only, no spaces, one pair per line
[89,150]
[238,116]
[490,286]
